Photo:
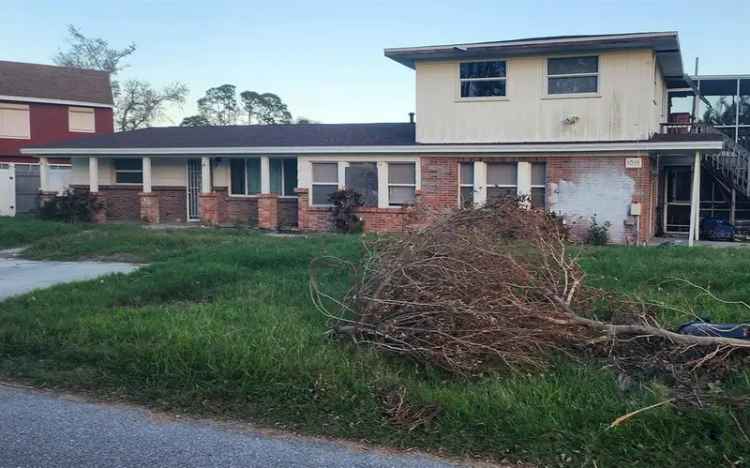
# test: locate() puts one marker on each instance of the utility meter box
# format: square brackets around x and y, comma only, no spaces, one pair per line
[635,209]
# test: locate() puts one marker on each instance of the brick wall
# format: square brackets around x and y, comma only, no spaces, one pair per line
[287,213]
[579,185]
[124,203]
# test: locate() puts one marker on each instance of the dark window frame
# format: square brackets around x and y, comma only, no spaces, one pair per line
[119,171]
[489,79]
[563,76]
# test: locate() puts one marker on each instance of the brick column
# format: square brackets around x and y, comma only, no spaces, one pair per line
[303,203]
[149,207]
[99,208]
[209,208]
[268,211]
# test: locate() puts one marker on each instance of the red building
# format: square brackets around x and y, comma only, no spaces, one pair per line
[42,104]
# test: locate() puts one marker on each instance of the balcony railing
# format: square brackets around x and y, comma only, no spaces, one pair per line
[731,164]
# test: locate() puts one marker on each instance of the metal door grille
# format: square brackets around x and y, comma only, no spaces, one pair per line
[193,189]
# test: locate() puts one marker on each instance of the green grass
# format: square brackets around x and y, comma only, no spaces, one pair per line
[220,323]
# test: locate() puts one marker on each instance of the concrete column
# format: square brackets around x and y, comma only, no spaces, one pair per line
[43,174]
[480,183]
[146,175]
[523,182]
[382,184]
[265,174]
[695,200]
[93,174]
[206,185]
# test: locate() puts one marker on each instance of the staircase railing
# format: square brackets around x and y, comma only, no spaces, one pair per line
[731,163]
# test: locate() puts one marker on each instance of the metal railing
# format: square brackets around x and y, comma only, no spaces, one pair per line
[731,163]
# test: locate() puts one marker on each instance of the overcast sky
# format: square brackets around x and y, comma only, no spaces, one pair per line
[325,58]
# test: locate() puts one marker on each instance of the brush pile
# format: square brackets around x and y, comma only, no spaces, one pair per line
[493,288]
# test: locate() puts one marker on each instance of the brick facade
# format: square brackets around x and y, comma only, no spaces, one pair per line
[577,186]
[124,203]
[149,207]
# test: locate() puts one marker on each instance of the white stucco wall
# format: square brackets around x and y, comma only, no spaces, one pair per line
[624,108]
[168,172]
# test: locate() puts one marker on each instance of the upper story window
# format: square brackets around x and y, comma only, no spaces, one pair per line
[483,79]
[128,171]
[15,121]
[81,119]
[573,75]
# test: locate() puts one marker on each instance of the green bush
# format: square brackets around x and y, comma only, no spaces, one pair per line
[598,233]
[71,207]
[344,204]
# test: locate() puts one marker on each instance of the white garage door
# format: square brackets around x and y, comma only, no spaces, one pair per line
[7,190]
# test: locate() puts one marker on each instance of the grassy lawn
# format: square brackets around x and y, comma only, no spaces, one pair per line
[220,323]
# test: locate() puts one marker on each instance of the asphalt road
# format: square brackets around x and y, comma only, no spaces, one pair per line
[40,429]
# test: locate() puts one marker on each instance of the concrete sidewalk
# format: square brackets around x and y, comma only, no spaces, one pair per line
[41,429]
[19,276]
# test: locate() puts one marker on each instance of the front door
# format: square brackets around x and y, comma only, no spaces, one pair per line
[193,189]
[678,181]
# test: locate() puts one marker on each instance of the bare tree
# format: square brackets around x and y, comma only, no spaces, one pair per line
[139,104]
[94,53]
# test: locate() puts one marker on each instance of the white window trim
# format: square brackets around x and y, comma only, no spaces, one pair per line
[115,171]
[461,185]
[339,184]
[18,107]
[389,184]
[81,110]
[547,76]
[306,175]
[460,80]
[242,195]
[257,195]
[489,185]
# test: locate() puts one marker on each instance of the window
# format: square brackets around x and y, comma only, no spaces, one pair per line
[15,121]
[325,182]
[128,171]
[81,119]
[538,184]
[244,176]
[502,181]
[402,184]
[482,79]
[466,184]
[283,176]
[362,177]
[573,75]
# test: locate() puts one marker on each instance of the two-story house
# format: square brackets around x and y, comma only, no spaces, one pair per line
[39,105]
[577,124]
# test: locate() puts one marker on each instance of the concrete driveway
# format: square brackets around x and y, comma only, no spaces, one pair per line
[40,429]
[19,276]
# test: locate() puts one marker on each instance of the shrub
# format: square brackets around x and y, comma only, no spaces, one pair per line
[344,204]
[71,207]
[598,233]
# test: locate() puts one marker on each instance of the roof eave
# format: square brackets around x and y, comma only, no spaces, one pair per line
[662,43]
[517,148]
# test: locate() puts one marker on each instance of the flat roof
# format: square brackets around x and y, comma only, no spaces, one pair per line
[665,44]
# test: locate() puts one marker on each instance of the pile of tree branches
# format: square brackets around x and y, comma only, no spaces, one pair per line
[493,288]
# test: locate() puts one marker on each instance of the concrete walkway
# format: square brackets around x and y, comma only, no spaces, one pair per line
[19,276]
[40,429]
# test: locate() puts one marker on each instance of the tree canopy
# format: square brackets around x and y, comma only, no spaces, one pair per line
[220,106]
[137,103]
